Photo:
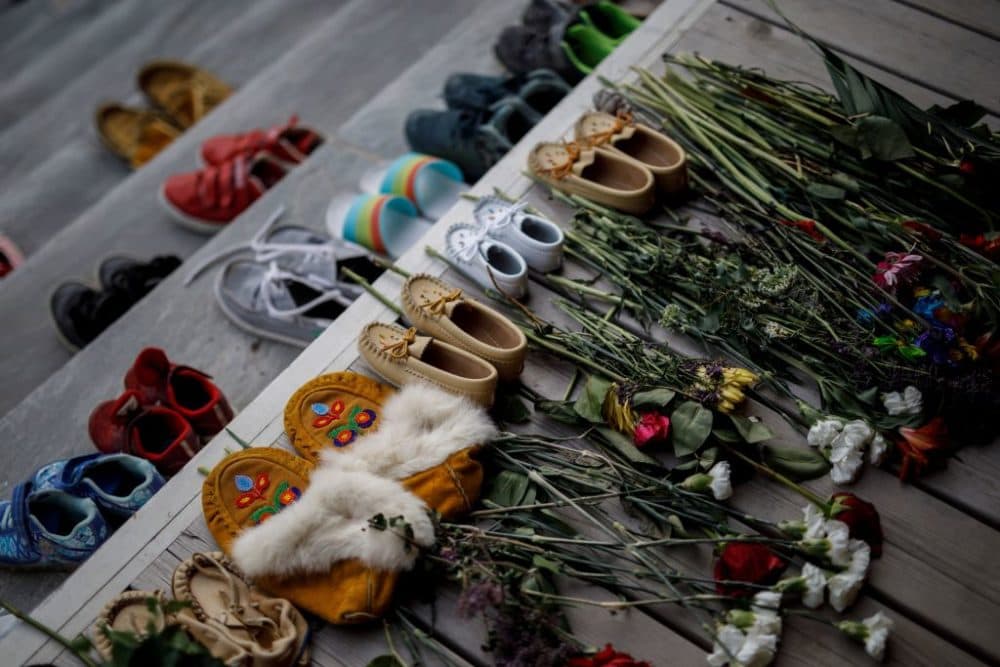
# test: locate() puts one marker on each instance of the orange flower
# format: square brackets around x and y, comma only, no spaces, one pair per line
[919,446]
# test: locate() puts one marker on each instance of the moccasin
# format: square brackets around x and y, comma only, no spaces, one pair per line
[442,311]
[401,356]
[603,176]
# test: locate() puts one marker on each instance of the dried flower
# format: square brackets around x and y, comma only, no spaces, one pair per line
[861,517]
[746,562]
[909,402]
[607,657]
[479,597]
[920,446]
[617,409]
[652,427]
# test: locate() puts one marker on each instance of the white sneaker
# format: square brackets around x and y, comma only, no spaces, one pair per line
[538,240]
[486,260]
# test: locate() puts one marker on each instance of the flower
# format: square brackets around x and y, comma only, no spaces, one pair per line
[607,657]
[721,486]
[728,642]
[845,586]
[806,226]
[922,229]
[617,409]
[910,402]
[751,638]
[652,427]
[896,269]
[873,632]
[746,562]
[766,607]
[822,433]
[861,517]
[845,460]
[814,585]
[919,445]
[877,449]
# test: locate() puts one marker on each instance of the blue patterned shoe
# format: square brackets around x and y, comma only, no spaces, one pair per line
[48,529]
[119,483]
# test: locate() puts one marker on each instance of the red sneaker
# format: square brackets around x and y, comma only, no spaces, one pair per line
[287,143]
[206,200]
[155,433]
[186,391]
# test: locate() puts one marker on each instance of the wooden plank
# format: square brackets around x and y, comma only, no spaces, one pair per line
[322,77]
[900,40]
[132,548]
[976,15]
[58,167]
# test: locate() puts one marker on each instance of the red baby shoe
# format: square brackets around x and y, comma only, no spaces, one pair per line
[187,391]
[289,143]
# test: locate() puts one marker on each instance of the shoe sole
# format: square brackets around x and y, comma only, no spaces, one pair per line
[249,328]
[186,221]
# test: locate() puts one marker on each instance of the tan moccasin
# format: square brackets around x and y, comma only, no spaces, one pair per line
[440,310]
[601,175]
[401,356]
[663,156]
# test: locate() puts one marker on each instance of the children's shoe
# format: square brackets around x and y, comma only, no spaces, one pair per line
[522,49]
[432,184]
[184,92]
[290,144]
[81,313]
[186,391]
[442,311]
[401,356]
[491,264]
[204,201]
[609,19]
[586,47]
[606,177]
[135,135]
[48,529]
[538,240]
[118,483]
[270,302]
[540,89]
[658,153]
[133,277]
[155,433]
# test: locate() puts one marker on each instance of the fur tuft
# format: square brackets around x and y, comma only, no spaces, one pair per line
[329,523]
[420,427]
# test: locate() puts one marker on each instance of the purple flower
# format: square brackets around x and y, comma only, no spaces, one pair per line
[479,597]
[937,343]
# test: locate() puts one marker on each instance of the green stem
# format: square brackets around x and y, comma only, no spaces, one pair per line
[48,632]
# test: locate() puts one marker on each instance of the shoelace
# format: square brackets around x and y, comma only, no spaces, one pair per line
[401,347]
[437,306]
[466,246]
[254,141]
[560,171]
[235,616]
[273,283]
[622,120]
[265,251]
[493,225]
[219,185]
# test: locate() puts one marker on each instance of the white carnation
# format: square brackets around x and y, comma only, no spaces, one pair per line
[879,626]
[822,433]
[846,451]
[838,536]
[856,433]
[728,642]
[814,521]
[815,585]
[721,486]
[845,586]
[758,649]
[766,607]
[877,450]
[910,402]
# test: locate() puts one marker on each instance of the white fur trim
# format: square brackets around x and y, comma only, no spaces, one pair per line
[329,523]
[420,426]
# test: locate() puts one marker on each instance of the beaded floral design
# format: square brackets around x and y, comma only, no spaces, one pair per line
[253,490]
[358,419]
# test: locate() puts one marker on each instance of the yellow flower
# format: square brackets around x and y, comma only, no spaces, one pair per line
[970,350]
[725,407]
[739,376]
[732,394]
[921,291]
[618,414]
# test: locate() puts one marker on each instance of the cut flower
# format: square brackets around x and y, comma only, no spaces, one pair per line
[873,632]
[909,402]
[652,427]
[920,446]
[861,517]
[749,563]
[607,657]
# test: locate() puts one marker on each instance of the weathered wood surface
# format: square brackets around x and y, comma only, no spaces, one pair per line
[979,16]
[935,578]
[322,79]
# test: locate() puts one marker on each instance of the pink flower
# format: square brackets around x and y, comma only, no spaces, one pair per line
[896,269]
[652,427]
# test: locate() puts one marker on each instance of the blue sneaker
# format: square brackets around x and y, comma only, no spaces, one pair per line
[48,529]
[118,483]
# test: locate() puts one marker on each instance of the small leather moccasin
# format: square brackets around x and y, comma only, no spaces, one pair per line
[538,240]
[442,311]
[401,356]
[490,263]
[603,176]
[663,156]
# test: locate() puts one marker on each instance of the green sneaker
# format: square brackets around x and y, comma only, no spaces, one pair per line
[585,46]
[610,19]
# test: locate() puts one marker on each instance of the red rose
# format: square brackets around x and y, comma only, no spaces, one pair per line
[748,562]
[652,427]
[967,167]
[861,517]
[607,657]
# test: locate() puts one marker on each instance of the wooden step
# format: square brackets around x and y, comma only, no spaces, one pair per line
[28,29]
[61,168]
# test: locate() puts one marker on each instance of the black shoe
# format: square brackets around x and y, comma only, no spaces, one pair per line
[540,89]
[136,279]
[81,313]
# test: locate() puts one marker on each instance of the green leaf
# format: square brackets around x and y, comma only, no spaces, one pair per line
[385,661]
[882,139]
[590,404]
[825,191]
[542,563]
[690,425]
[795,463]
[510,409]
[725,435]
[508,489]
[561,411]
[752,429]
[624,446]
[653,398]
[709,322]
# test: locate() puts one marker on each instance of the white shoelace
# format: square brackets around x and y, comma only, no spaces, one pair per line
[273,283]
[265,251]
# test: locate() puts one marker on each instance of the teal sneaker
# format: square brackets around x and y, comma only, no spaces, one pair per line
[48,529]
[611,20]
[118,483]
